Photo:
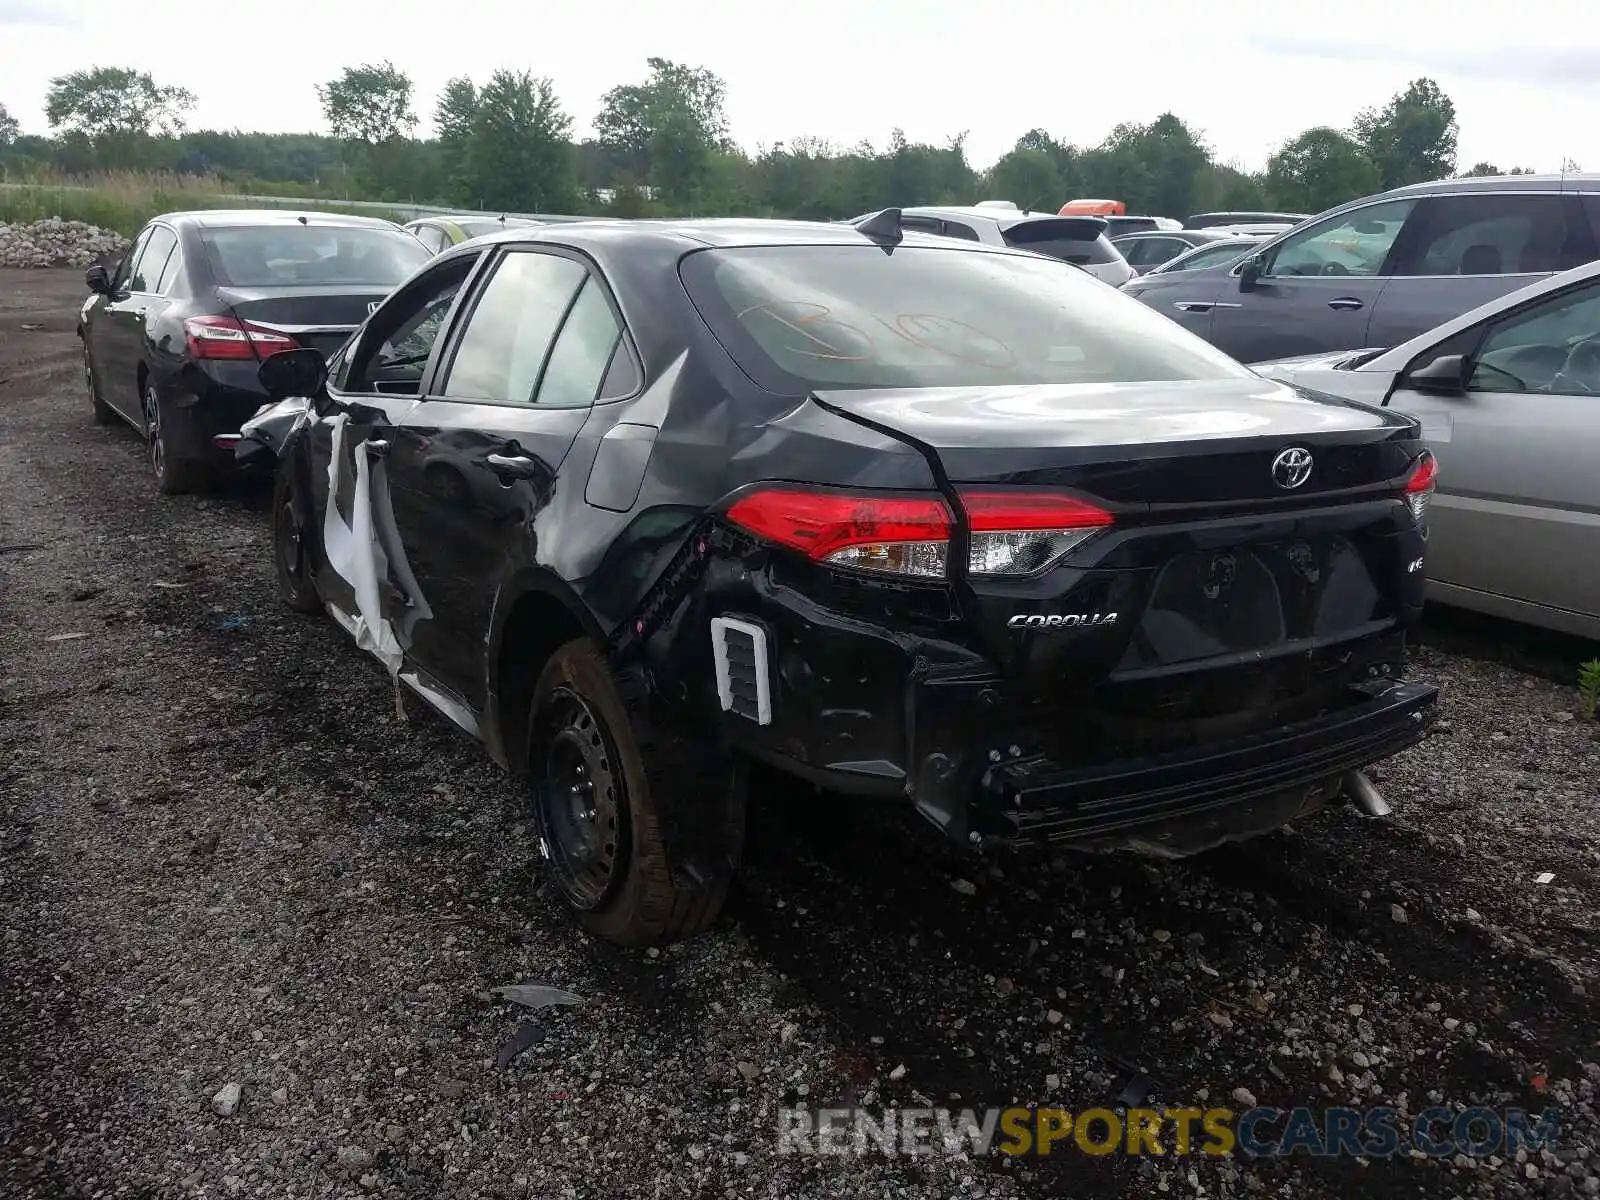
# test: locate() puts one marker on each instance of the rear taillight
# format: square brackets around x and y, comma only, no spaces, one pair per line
[1023,533]
[1419,487]
[224,337]
[896,535]
[1014,534]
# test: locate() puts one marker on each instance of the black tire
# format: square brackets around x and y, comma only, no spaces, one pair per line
[293,538]
[104,414]
[174,475]
[635,899]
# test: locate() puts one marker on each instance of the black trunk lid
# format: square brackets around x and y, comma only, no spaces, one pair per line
[322,317]
[1220,599]
[1184,444]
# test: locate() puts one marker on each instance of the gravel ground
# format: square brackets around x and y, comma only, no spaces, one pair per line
[225,860]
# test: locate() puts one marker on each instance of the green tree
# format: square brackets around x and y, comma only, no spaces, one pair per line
[1412,139]
[369,109]
[107,116]
[1028,178]
[667,129]
[105,103]
[1481,169]
[1320,168]
[1170,157]
[370,103]
[452,119]
[10,127]
[518,149]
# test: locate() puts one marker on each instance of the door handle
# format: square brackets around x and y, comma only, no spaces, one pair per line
[377,448]
[1345,303]
[1194,306]
[513,466]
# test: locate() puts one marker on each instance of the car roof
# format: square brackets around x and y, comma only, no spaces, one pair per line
[614,234]
[1205,235]
[234,218]
[1000,218]
[1575,182]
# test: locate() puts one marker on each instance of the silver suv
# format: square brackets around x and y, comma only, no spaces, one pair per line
[1078,240]
[1379,271]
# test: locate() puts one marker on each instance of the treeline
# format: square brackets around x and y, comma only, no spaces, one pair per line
[662,148]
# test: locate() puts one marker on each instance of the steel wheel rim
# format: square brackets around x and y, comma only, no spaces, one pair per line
[158,452]
[580,798]
[289,540]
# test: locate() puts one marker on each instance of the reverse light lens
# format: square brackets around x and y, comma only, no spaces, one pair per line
[1016,534]
[226,338]
[1419,488]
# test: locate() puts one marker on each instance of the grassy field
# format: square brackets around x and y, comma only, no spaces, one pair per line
[125,201]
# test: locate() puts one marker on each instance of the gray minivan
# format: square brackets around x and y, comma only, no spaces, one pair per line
[1381,270]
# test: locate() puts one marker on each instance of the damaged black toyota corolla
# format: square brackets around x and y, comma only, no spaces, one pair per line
[907,517]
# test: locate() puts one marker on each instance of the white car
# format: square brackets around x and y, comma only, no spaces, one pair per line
[1081,241]
[1509,399]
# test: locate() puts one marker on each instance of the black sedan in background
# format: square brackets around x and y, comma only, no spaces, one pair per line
[172,339]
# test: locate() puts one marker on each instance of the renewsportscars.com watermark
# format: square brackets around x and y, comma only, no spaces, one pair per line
[1255,1132]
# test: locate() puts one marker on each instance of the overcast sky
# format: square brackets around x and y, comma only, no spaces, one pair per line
[1522,78]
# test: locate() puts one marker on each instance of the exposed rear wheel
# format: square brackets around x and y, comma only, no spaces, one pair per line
[173,473]
[599,821]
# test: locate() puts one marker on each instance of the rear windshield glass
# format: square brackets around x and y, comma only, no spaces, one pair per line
[802,317]
[283,255]
[1062,239]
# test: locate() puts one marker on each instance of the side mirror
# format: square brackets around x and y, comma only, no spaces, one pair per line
[300,372]
[98,279]
[1446,375]
[1249,273]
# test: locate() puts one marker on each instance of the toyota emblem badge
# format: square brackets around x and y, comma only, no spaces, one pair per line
[1292,467]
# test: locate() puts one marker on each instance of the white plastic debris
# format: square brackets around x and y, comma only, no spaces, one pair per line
[1545,877]
[226,1102]
[536,995]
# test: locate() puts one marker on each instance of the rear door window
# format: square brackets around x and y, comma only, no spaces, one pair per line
[510,328]
[152,259]
[1497,234]
[119,281]
[169,273]
[582,353]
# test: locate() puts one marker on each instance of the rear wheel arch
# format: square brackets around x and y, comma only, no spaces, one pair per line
[539,617]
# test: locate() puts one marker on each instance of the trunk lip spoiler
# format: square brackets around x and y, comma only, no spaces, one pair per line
[276,327]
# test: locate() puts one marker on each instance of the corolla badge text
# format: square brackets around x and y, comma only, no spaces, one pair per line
[1060,620]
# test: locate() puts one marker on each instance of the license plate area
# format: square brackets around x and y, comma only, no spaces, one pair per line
[1212,603]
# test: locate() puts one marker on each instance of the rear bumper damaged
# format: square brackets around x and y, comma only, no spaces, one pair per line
[862,711]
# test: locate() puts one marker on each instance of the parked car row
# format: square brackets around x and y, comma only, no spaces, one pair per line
[901,506]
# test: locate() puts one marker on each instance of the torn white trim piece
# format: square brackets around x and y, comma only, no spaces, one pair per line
[720,628]
[354,553]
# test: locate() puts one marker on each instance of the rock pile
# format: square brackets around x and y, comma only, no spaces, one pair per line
[53,242]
